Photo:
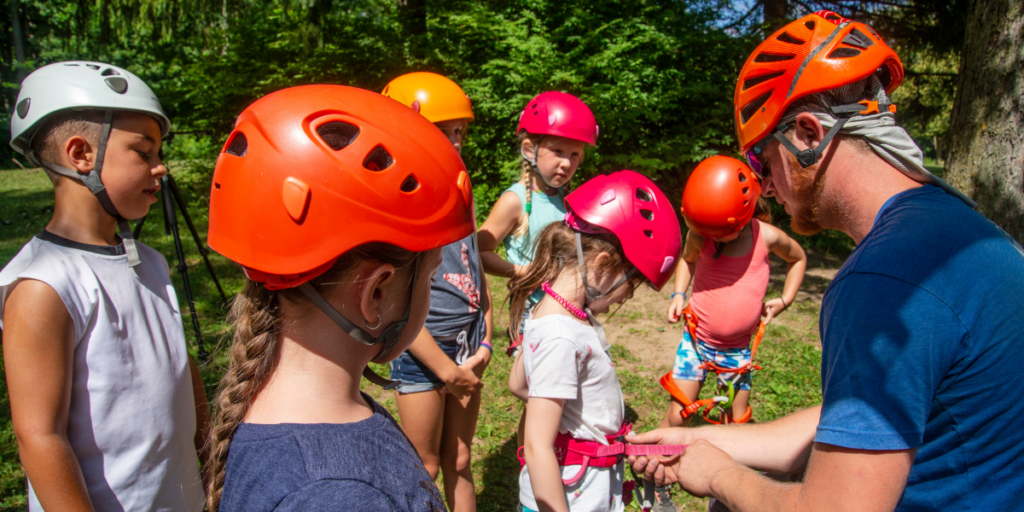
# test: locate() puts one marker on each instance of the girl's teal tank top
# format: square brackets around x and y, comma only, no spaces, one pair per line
[545,210]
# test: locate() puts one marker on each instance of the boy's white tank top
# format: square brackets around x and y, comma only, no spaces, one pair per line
[132,419]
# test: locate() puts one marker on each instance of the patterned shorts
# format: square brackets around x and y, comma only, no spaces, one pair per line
[687,365]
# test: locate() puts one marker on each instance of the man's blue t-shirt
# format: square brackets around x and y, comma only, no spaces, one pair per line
[367,466]
[922,334]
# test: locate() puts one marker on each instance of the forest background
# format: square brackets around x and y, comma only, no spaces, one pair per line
[659,74]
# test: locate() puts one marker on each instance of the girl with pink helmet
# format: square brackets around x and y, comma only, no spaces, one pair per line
[619,231]
[553,130]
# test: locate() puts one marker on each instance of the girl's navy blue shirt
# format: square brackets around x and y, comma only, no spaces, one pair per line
[369,465]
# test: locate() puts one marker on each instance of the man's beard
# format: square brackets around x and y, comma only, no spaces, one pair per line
[806,184]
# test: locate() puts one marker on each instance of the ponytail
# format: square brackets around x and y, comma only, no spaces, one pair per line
[762,211]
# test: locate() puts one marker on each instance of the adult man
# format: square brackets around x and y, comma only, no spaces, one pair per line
[916,328]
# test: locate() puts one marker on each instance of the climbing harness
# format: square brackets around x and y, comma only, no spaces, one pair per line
[572,452]
[720,403]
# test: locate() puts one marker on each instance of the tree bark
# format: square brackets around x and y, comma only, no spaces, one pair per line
[986,141]
[775,13]
[18,41]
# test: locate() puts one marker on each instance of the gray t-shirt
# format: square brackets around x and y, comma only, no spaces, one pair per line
[455,293]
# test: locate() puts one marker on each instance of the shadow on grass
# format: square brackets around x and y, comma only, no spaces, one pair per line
[499,481]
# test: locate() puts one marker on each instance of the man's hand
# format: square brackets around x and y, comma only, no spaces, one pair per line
[699,466]
[463,380]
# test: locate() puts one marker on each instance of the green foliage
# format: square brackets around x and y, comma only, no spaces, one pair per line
[657,74]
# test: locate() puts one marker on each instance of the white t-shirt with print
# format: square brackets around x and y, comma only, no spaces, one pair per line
[566,359]
[132,416]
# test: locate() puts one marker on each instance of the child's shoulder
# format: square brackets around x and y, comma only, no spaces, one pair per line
[559,327]
[516,188]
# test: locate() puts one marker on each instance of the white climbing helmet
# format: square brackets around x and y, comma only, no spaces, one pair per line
[83,85]
[78,85]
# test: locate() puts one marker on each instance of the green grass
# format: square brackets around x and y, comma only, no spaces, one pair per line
[790,380]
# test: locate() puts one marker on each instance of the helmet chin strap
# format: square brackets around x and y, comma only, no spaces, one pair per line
[95,185]
[591,294]
[388,339]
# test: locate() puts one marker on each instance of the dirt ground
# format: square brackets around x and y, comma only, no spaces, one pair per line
[642,327]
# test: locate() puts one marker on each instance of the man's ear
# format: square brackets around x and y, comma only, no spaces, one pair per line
[79,153]
[371,290]
[809,129]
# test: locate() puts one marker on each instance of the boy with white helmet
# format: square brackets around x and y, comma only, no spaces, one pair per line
[108,408]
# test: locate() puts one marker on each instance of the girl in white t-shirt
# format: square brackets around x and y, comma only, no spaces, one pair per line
[619,232]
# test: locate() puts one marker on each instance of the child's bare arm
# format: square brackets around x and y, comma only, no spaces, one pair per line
[38,357]
[517,379]
[684,274]
[543,415]
[503,219]
[202,415]
[783,246]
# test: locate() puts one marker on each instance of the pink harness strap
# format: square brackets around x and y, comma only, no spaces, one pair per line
[571,452]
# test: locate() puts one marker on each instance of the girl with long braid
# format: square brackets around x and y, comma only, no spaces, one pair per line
[294,432]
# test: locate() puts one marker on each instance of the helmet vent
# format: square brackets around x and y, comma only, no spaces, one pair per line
[773,57]
[746,190]
[93,66]
[23,107]
[742,178]
[844,53]
[337,134]
[647,214]
[117,84]
[648,233]
[70,64]
[809,25]
[749,110]
[786,38]
[239,145]
[410,184]
[643,195]
[750,82]
[378,159]
[110,72]
[858,39]
[746,202]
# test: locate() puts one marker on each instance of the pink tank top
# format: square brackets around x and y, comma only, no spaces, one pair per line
[728,293]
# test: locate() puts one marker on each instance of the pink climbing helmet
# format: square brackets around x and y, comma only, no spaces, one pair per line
[630,206]
[560,114]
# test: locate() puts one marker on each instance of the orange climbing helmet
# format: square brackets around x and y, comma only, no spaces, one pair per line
[819,52]
[720,197]
[311,172]
[434,96]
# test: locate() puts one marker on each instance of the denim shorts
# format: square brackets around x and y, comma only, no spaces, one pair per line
[414,377]
[687,365]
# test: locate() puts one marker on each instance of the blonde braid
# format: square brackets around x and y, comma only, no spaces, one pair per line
[524,222]
[255,318]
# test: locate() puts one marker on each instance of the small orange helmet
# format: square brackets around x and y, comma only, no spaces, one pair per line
[819,52]
[434,96]
[311,172]
[720,197]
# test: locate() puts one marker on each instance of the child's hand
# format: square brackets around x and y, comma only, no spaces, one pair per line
[463,381]
[772,308]
[675,308]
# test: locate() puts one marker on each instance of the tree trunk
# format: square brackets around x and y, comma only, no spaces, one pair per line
[18,42]
[775,13]
[986,143]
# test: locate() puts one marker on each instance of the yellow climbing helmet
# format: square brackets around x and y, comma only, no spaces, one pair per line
[434,96]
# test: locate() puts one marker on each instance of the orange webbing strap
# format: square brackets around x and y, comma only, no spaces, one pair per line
[749,367]
[690,407]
